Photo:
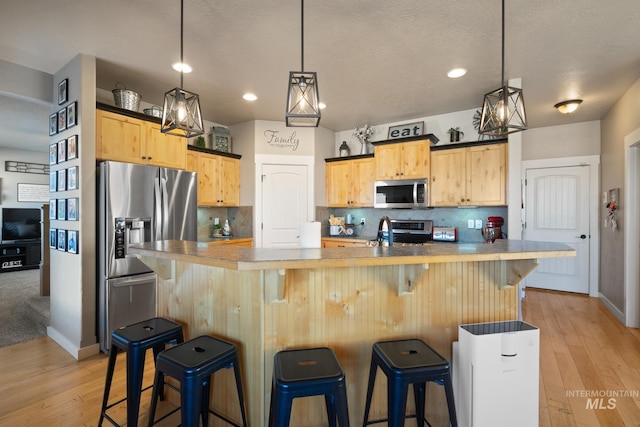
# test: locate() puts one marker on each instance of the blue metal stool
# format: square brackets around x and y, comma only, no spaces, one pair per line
[406,362]
[135,340]
[192,363]
[308,372]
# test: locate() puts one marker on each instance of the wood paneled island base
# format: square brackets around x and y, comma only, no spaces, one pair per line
[266,300]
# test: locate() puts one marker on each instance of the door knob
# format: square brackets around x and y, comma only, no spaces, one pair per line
[582,236]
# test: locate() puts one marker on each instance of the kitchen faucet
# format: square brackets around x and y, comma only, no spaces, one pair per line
[385,232]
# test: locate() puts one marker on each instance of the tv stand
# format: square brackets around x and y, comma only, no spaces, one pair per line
[19,255]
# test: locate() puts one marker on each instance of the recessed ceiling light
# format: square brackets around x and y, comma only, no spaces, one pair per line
[182,67]
[249,97]
[567,107]
[322,105]
[457,72]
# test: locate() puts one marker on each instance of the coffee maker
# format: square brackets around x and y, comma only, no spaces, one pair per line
[492,229]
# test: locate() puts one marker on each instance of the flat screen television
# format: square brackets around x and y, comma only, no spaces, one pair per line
[20,224]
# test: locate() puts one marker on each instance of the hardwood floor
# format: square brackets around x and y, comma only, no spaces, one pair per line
[584,349]
[585,354]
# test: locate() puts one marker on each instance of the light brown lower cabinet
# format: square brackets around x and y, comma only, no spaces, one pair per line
[336,242]
[234,242]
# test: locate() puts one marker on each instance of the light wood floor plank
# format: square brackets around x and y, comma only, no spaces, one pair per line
[583,349]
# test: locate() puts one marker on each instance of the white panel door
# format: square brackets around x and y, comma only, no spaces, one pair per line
[557,210]
[284,204]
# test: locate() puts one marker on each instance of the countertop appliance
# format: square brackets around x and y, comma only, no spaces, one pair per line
[492,229]
[412,231]
[137,204]
[495,370]
[445,234]
[401,193]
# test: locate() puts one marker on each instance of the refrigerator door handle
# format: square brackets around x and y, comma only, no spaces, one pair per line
[158,214]
[165,207]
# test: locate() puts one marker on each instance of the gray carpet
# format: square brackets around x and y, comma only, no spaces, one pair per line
[24,314]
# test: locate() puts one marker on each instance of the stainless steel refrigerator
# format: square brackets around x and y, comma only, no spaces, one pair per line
[137,204]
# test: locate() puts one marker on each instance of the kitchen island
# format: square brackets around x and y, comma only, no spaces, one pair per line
[266,300]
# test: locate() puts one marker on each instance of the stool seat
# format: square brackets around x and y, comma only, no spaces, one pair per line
[303,373]
[192,363]
[135,340]
[407,362]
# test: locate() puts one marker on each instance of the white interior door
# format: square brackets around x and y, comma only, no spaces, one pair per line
[284,204]
[557,210]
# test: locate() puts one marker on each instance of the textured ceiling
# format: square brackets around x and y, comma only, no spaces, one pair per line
[377,61]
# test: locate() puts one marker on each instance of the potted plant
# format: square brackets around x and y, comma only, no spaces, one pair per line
[455,134]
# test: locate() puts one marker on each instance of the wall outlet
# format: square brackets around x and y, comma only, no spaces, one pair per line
[470,223]
[362,221]
[478,224]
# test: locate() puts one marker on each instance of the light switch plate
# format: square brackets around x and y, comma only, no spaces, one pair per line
[478,224]
[469,223]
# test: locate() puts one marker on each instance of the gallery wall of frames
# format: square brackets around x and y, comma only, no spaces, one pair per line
[64,175]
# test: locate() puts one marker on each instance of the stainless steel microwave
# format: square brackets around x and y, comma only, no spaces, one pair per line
[401,193]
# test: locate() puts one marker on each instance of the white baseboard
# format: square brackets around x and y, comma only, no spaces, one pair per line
[616,312]
[79,353]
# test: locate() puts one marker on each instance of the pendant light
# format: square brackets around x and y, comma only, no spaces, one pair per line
[302,98]
[181,111]
[503,109]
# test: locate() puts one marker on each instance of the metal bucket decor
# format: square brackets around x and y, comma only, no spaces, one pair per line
[124,98]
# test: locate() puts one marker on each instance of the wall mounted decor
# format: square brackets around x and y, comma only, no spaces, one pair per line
[53,181]
[72,181]
[71,114]
[72,147]
[72,209]
[63,91]
[62,151]
[53,124]
[53,154]
[72,241]
[53,238]
[62,209]
[62,120]
[33,192]
[406,130]
[62,180]
[62,240]
[53,213]
[24,167]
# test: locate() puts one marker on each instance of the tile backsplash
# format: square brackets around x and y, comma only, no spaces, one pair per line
[240,220]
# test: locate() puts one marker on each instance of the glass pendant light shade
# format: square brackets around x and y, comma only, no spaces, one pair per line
[503,112]
[302,99]
[181,114]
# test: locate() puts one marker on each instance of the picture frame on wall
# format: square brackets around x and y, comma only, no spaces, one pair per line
[62,240]
[53,124]
[53,181]
[53,154]
[62,180]
[72,209]
[72,181]
[53,238]
[52,209]
[71,114]
[72,241]
[72,147]
[63,91]
[62,209]
[62,120]
[62,151]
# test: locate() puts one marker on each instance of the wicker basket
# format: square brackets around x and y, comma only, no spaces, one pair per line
[124,98]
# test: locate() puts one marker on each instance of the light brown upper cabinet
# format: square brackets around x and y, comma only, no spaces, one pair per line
[127,139]
[218,178]
[469,176]
[402,160]
[350,183]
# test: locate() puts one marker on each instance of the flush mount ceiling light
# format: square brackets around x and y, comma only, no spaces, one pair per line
[302,96]
[456,73]
[567,107]
[503,109]
[181,111]
[249,97]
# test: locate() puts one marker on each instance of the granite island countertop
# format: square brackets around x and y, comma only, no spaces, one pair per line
[245,258]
